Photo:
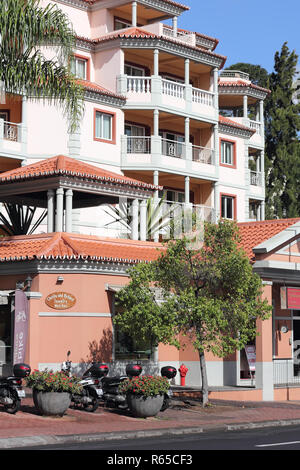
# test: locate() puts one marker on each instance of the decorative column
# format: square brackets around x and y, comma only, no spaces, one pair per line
[156,62]
[135,220]
[134,14]
[216,87]
[156,122]
[187,189]
[59,210]
[187,71]
[264,351]
[175,26]
[143,220]
[69,207]
[156,183]
[50,213]
[245,106]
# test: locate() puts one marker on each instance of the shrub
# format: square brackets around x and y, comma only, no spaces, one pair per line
[146,385]
[49,381]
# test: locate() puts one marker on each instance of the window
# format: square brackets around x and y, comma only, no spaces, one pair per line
[172,195]
[104,126]
[134,71]
[121,24]
[228,153]
[228,206]
[79,67]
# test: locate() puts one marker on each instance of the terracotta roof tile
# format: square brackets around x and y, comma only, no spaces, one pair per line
[99,89]
[74,246]
[229,122]
[62,165]
[241,83]
[254,233]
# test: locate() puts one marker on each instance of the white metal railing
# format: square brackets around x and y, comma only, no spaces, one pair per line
[200,212]
[12,131]
[174,89]
[203,155]
[202,97]
[256,126]
[138,84]
[172,148]
[255,178]
[285,372]
[136,144]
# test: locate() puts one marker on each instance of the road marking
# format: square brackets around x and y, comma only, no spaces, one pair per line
[278,444]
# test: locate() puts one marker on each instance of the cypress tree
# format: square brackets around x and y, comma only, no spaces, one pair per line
[282,149]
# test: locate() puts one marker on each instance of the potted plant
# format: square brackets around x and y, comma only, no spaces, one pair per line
[52,391]
[145,394]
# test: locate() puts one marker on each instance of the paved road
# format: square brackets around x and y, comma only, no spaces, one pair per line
[279,438]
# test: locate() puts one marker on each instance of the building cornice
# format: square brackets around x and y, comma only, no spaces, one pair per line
[237,131]
[243,90]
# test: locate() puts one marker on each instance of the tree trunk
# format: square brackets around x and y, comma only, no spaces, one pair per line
[204,379]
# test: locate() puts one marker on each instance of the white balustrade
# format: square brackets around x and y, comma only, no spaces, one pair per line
[139,84]
[174,89]
[256,126]
[202,97]
[255,178]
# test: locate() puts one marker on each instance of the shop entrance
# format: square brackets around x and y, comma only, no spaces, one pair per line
[296,342]
[6,334]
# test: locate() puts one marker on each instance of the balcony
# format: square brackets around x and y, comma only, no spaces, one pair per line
[157,91]
[12,137]
[159,153]
[256,178]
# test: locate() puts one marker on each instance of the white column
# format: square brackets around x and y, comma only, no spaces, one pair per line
[245,106]
[216,145]
[135,220]
[156,183]
[134,13]
[50,213]
[216,88]
[187,190]
[143,220]
[187,71]
[59,210]
[156,122]
[69,207]
[156,63]
[175,27]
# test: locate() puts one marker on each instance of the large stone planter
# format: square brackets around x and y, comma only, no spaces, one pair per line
[51,403]
[144,407]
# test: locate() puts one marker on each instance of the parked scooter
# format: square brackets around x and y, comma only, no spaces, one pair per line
[110,385]
[88,399]
[11,390]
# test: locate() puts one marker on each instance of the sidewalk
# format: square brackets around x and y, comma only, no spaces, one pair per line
[28,428]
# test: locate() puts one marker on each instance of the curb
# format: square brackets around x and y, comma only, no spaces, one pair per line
[31,441]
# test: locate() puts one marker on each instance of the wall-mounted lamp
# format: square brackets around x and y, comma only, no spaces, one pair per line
[59,279]
[28,282]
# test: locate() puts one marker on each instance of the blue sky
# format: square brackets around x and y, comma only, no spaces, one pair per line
[248,31]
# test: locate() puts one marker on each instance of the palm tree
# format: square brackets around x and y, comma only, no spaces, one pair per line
[25,27]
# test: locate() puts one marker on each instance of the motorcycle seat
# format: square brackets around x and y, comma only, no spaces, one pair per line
[110,381]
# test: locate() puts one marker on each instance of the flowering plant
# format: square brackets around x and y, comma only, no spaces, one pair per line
[49,381]
[146,385]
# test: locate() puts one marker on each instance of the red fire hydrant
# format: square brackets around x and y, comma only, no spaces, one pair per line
[182,371]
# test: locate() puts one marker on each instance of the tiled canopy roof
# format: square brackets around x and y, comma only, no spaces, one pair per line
[91,86]
[67,166]
[73,246]
[241,83]
[77,246]
[254,233]
[171,2]
[229,122]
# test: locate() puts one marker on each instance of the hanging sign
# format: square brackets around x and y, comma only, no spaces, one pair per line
[251,357]
[290,298]
[60,300]
[20,326]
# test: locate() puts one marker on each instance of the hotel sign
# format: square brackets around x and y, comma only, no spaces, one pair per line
[290,298]
[60,300]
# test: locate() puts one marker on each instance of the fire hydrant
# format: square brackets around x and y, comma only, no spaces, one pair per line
[182,371]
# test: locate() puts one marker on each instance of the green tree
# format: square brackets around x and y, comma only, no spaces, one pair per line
[209,295]
[282,150]
[25,27]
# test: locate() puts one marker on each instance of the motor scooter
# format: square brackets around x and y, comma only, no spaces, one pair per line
[11,390]
[89,398]
[110,385]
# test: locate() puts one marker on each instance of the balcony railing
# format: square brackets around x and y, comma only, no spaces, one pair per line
[203,155]
[12,131]
[181,36]
[138,84]
[256,126]
[170,148]
[174,89]
[202,97]
[255,178]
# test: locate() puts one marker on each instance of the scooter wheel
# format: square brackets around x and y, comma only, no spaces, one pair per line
[15,406]
[92,406]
